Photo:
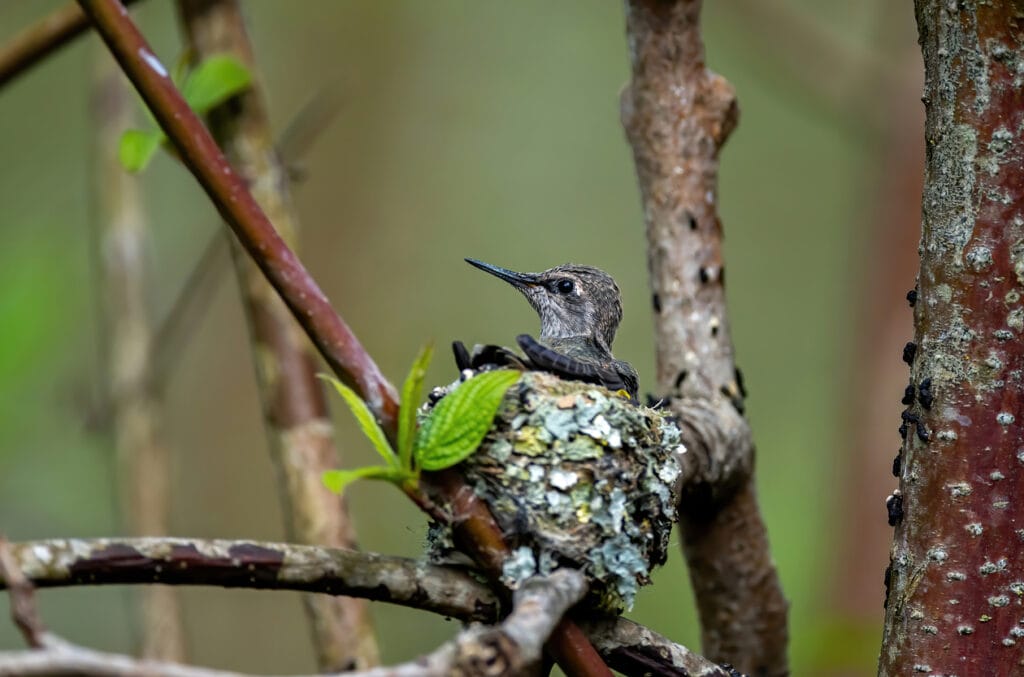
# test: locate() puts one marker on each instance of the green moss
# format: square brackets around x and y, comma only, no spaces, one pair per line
[579,477]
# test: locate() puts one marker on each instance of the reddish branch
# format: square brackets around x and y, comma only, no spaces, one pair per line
[295,410]
[228,192]
[41,39]
[957,570]
[332,337]
[677,115]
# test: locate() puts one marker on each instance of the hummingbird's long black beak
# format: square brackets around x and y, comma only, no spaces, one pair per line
[517,280]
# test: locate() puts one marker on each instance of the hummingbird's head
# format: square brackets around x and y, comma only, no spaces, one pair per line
[571,300]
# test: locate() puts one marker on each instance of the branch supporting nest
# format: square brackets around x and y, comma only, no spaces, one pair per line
[446,591]
[508,648]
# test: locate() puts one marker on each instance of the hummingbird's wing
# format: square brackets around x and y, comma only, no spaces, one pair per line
[462,360]
[548,359]
[485,356]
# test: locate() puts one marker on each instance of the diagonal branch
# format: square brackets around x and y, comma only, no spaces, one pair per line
[229,194]
[42,39]
[677,115]
[476,531]
[295,412]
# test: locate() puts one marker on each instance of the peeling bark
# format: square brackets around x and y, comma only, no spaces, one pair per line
[956,597]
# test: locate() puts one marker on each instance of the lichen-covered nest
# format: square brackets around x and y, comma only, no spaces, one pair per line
[577,476]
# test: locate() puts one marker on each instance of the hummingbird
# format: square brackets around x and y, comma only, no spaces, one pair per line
[580,310]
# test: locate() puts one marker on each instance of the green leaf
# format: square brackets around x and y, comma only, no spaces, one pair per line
[137,148]
[214,81]
[337,480]
[366,420]
[460,421]
[412,391]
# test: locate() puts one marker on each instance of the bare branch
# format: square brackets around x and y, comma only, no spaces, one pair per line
[258,565]
[198,151]
[42,39]
[501,650]
[677,115]
[295,411]
[447,591]
[143,460]
[22,593]
[634,649]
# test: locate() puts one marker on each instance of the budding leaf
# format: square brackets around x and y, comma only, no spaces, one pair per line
[338,480]
[366,421]
[412,391]
[214,81]
[460,421]
[137,148]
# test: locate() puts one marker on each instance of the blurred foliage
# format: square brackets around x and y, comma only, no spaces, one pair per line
[477,129]
[208,85]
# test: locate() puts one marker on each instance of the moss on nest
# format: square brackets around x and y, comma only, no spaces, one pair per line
[579,477]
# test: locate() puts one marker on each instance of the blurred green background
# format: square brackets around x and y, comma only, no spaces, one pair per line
[489,130]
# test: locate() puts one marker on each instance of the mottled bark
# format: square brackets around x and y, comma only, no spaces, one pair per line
[143,460]
[447,591]
[295,411]
[677,115]
[957,572]
[508,648]
[258,566]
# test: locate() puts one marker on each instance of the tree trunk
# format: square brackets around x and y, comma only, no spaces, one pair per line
[957,572]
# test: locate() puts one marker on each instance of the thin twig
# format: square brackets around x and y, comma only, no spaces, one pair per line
[198,151]
[295,412]
[22,594]
[42,39]
[143,460]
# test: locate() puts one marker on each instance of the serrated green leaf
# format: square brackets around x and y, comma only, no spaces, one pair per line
[366,420]
[214,81]
[460,421]
[137,148]
[412,391]
[337,480]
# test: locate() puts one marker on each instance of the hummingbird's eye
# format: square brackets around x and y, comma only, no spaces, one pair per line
[565,286]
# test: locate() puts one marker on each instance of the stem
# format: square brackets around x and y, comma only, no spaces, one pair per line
[136,408]
[42,39]
[295,412]
[197,149]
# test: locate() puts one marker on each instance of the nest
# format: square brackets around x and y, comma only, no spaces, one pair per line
[577,476]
